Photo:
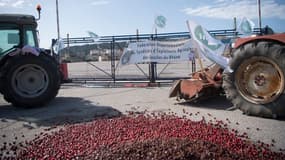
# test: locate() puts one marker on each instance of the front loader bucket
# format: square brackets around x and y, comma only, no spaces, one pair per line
[202,85]
[175,89]
[195,89]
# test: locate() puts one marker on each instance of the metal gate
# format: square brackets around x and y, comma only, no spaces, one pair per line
[108,50]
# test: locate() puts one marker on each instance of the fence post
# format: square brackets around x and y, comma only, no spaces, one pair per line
[193,65]
[68,47]
[152,72]
[152,68]
[113,67]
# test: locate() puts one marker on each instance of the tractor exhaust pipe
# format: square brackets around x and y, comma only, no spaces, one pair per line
[39,8]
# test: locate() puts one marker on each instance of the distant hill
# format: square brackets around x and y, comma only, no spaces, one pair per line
[91,52]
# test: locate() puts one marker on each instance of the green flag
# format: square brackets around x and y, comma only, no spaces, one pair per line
[160,21]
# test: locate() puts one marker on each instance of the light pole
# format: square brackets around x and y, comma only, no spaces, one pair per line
[259,13]
[57,20]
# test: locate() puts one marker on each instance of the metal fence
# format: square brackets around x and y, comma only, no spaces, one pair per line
[109,70]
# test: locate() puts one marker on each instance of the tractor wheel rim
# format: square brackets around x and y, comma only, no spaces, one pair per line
[259,80]
[30,81]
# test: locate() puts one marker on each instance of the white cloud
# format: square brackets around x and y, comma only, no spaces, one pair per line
[18,4]
[227,9]
[100,2]
[14,3]
[3,3]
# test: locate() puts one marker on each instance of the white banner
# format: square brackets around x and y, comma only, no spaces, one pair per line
[158,51]
[210,47]
[246,26]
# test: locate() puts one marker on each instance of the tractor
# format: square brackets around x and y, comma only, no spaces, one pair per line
[255,84]
[29,76]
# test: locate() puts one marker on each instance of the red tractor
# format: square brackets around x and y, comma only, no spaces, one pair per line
[256,83]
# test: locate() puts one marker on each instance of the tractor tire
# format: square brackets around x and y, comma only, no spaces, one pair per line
[30,81]
[256,86]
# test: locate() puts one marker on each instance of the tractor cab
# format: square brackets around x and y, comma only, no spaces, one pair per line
[17,31]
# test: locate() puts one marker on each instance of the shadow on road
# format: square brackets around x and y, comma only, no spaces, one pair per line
[62,110]
[218,102]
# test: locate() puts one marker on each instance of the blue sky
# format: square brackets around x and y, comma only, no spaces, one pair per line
[117,17]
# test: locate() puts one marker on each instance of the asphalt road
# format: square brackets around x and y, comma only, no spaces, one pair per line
[75,104]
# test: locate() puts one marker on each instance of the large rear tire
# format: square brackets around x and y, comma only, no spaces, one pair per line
[30,81]
[256,86]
